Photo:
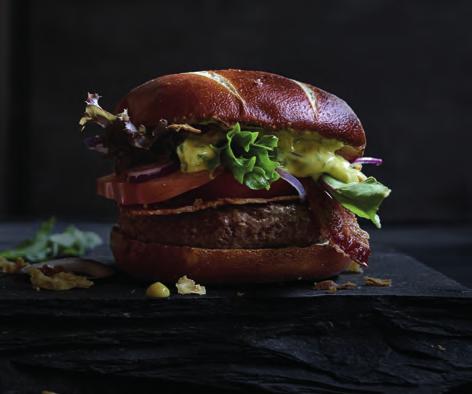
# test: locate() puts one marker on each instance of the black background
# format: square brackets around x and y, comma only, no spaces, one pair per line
[404,67]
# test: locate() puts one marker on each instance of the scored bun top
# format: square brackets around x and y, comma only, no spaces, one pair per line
[253,98]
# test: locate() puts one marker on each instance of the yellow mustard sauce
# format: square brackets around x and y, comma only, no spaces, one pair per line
[308,154]
[302,154]
[196,150]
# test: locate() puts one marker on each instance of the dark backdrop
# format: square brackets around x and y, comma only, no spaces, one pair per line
[404,67]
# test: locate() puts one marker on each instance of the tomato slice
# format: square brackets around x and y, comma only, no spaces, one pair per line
[153,191]
[225,186]
[189,186]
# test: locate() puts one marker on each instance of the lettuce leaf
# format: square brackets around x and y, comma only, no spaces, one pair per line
[361,198]
[249,156]
[95,114]
[45,246]
[35,249]
[118,128]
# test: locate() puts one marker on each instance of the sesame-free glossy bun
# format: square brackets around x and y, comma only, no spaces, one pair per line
[253,98]
[151,261]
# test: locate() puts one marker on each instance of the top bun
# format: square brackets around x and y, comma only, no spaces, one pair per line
[253,98]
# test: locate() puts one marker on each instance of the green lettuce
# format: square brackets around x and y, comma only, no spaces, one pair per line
[362,198]
[120,133]
[96,114]
[249,155]
[45,246]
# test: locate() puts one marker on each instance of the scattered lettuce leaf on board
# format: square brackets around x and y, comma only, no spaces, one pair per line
[45,246]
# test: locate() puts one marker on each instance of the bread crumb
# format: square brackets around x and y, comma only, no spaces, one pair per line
[239,293]
[327,285]
[354,268]
[347,286]
[11,267]
[379,282]
[188,286]
[58,281]
[442,348]
[332,287]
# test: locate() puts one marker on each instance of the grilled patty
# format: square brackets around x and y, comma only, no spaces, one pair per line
[249,226]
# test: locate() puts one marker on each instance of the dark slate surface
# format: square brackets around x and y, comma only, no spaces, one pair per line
[410,278]
[412,337]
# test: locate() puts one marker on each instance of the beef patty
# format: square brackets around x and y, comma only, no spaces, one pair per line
[249,226]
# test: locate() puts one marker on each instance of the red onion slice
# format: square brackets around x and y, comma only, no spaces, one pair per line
[294,182]
[145,173]
[368,160]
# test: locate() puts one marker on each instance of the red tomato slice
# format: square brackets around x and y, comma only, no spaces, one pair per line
[225,186]
[190,185]
[153,191]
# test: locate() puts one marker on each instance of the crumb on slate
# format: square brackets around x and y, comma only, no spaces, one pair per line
[332,287]
[188,286]
[379,282]
[12,267]
[326,285]
[347,286]
[58,281]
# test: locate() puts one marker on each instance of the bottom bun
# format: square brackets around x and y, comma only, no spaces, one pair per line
[167,263]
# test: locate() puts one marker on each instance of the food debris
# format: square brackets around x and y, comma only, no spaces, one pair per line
[442,348]
[57,281]
[188,286]
[157,290]
[90,268]
[50,270]
[239,293]
[327,285]
[355,268]
[379,282]
[347,286]
[11,267]
[331,286]
[45,276]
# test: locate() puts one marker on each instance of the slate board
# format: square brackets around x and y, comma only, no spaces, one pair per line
[415,336]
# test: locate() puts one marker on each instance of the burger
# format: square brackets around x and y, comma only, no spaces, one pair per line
[235,176]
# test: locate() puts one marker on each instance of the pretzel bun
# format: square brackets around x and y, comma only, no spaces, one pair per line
[253,98]
[153,261]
